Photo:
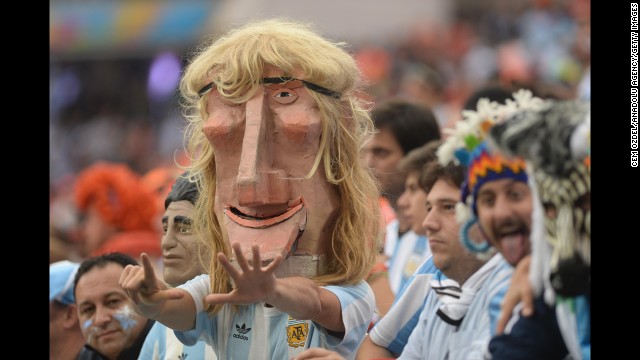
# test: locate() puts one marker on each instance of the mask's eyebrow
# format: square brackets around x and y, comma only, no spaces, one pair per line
[182,219]
[309,85]
[205,88]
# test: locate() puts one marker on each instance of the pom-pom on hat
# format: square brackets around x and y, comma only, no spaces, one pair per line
[467,145]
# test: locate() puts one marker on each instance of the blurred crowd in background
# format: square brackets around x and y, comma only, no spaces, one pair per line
[119,103]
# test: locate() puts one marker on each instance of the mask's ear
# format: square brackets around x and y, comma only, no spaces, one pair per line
[70,317]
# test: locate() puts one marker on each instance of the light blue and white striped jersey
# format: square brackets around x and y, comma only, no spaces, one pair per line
[435,339]
[162,344]
[391,238]
[410,252]
[259,332]
[393,330]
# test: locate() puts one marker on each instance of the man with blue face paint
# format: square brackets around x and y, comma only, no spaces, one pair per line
[111,328]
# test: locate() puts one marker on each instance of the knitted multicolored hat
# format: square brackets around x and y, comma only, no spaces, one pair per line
[486,165]
[467,145]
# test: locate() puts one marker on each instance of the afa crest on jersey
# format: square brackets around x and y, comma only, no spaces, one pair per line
[297,331]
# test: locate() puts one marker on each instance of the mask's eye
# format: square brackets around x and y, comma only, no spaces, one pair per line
[281,88]
[185,229]
[284,96]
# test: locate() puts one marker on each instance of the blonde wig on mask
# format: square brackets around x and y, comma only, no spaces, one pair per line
[235,64]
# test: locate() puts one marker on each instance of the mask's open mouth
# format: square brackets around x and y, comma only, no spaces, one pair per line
[275,234]
[258,222]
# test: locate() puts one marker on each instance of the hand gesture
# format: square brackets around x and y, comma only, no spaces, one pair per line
[147,292]
[252,282]
[519,291]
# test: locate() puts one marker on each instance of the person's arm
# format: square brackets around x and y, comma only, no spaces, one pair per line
[534,337]
[297,296]
[393,330]
[369,350]
[318,354]
[416,342]
[152,298]
[519,291]
[379,281]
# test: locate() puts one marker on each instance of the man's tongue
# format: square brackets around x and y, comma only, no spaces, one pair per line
[513,248]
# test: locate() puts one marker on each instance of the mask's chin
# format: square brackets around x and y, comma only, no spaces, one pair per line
[301,265]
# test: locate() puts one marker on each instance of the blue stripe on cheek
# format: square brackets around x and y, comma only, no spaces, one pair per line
[125,317]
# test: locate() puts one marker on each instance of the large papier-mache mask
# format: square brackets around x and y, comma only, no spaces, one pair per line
[276,130]
[263,153]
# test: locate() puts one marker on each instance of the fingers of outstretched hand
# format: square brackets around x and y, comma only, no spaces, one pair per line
[502,320]
[135,287]
[226,264]
[131,281]
[527,301]
[149,272]
[511,299]
[125,273]
[240,258]
[520,291]
[257,261]
[526,291]
[276,261]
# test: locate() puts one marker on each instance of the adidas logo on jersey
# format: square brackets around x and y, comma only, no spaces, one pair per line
[242,330]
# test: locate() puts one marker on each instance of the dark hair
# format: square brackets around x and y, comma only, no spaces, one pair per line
[417,158]
[434,171]
[428,76]
[412,124]
[102,261]
[495,93]
[182,189]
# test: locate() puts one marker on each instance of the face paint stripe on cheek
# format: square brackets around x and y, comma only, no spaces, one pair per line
[125,317]
[88,327]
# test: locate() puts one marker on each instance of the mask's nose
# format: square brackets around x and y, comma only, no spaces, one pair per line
[259,183]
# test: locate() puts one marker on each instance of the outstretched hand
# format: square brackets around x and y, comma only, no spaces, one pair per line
[520,290]
[253,282]
[144,288]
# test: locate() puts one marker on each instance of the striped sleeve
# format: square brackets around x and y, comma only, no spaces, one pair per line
[393,330]
[358,303]
[198,288]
